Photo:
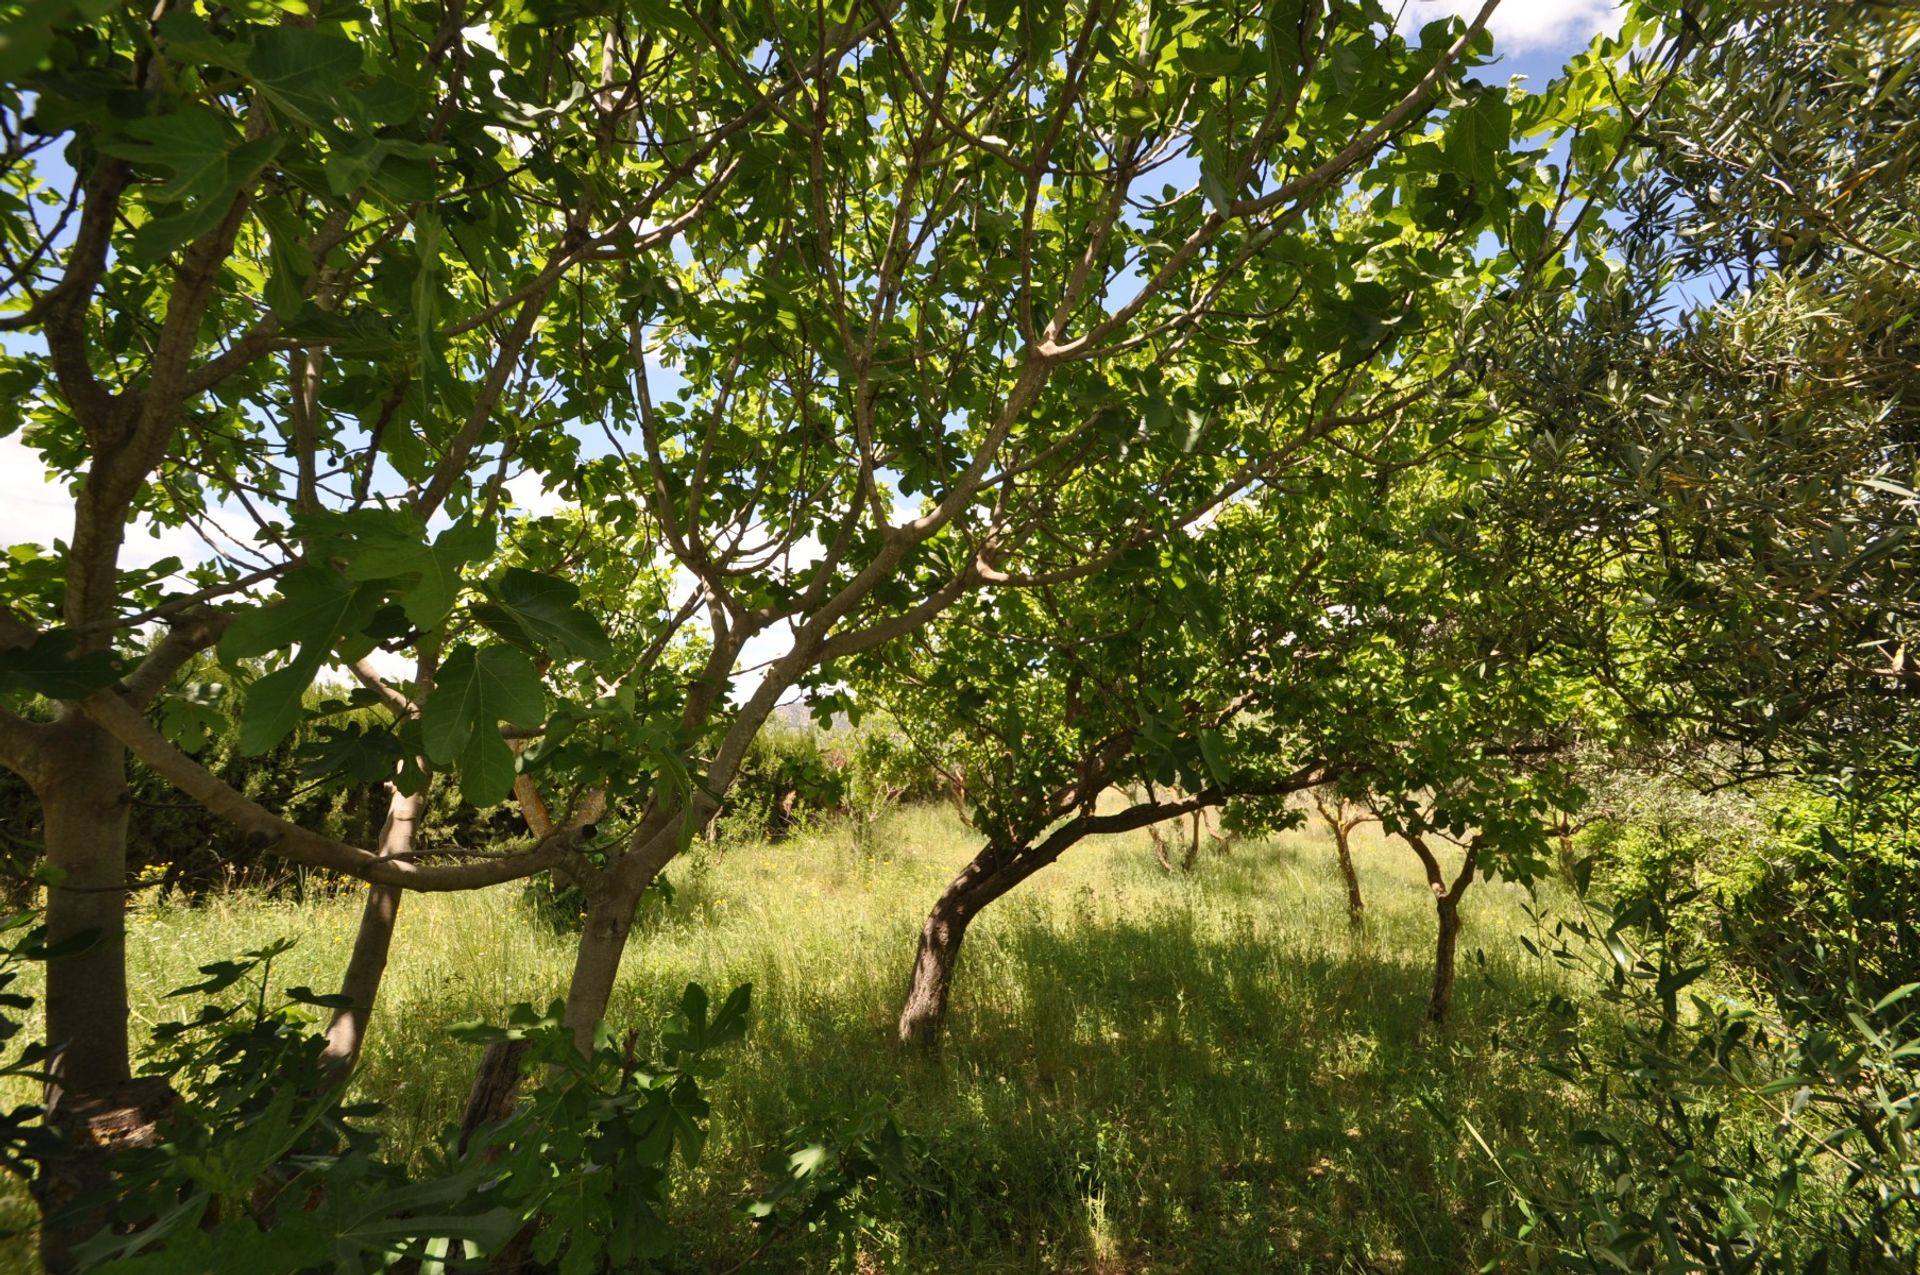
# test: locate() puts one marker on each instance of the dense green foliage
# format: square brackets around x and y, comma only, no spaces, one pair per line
[637,445]
[1752,1072]
[260,1167]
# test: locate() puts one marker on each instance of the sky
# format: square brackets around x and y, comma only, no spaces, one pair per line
[1534,36]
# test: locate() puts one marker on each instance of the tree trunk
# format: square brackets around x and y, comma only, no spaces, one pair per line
[612,901]
[991,874]
[986,878]
[933,963]
[1356,906]
[1441,998]
[346,1034]
[494,1088]
[83,796]
[780,818]
[1569,862]
[596,963]
[85,806]
[1446,902]
[956,785]
[1193,846]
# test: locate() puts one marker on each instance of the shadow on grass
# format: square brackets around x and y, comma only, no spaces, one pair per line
[1159,1093]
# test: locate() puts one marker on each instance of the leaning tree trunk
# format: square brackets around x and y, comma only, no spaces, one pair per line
[991,874]
[533,807]
[612,902]
[933,962]
[603,938]
[596,965]
[347,1033]
[373,941]
[1339,814]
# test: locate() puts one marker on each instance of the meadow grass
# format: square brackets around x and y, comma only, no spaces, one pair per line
[1144,1071]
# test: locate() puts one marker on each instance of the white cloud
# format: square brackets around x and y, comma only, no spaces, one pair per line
[527,488]
[33,509]
[36,508]
[1521,26]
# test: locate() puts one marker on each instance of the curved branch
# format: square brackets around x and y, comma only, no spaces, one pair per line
[188,637]
[268,831]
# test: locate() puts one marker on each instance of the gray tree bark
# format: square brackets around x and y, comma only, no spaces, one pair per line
[81,783]
[989,875]
[84,802]
[932,979]
[373,941]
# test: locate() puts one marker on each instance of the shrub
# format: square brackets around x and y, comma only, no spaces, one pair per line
[256,1165]
[786,778]
[1749,1097]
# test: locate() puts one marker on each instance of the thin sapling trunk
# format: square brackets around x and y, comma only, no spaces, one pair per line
[372,943]
[1446,902]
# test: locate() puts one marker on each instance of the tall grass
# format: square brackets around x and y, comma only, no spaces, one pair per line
[1144,1072]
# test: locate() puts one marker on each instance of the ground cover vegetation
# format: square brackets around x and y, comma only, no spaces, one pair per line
[731,500]
[1104,1098]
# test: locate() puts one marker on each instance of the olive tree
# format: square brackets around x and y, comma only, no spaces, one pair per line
[1723,461]
[1725,444]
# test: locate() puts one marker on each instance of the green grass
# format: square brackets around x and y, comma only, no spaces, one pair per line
[1144,1072]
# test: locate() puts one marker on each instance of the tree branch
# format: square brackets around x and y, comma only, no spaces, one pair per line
[268,831]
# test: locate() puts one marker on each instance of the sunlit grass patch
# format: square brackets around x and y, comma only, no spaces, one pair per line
[1144,1071]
